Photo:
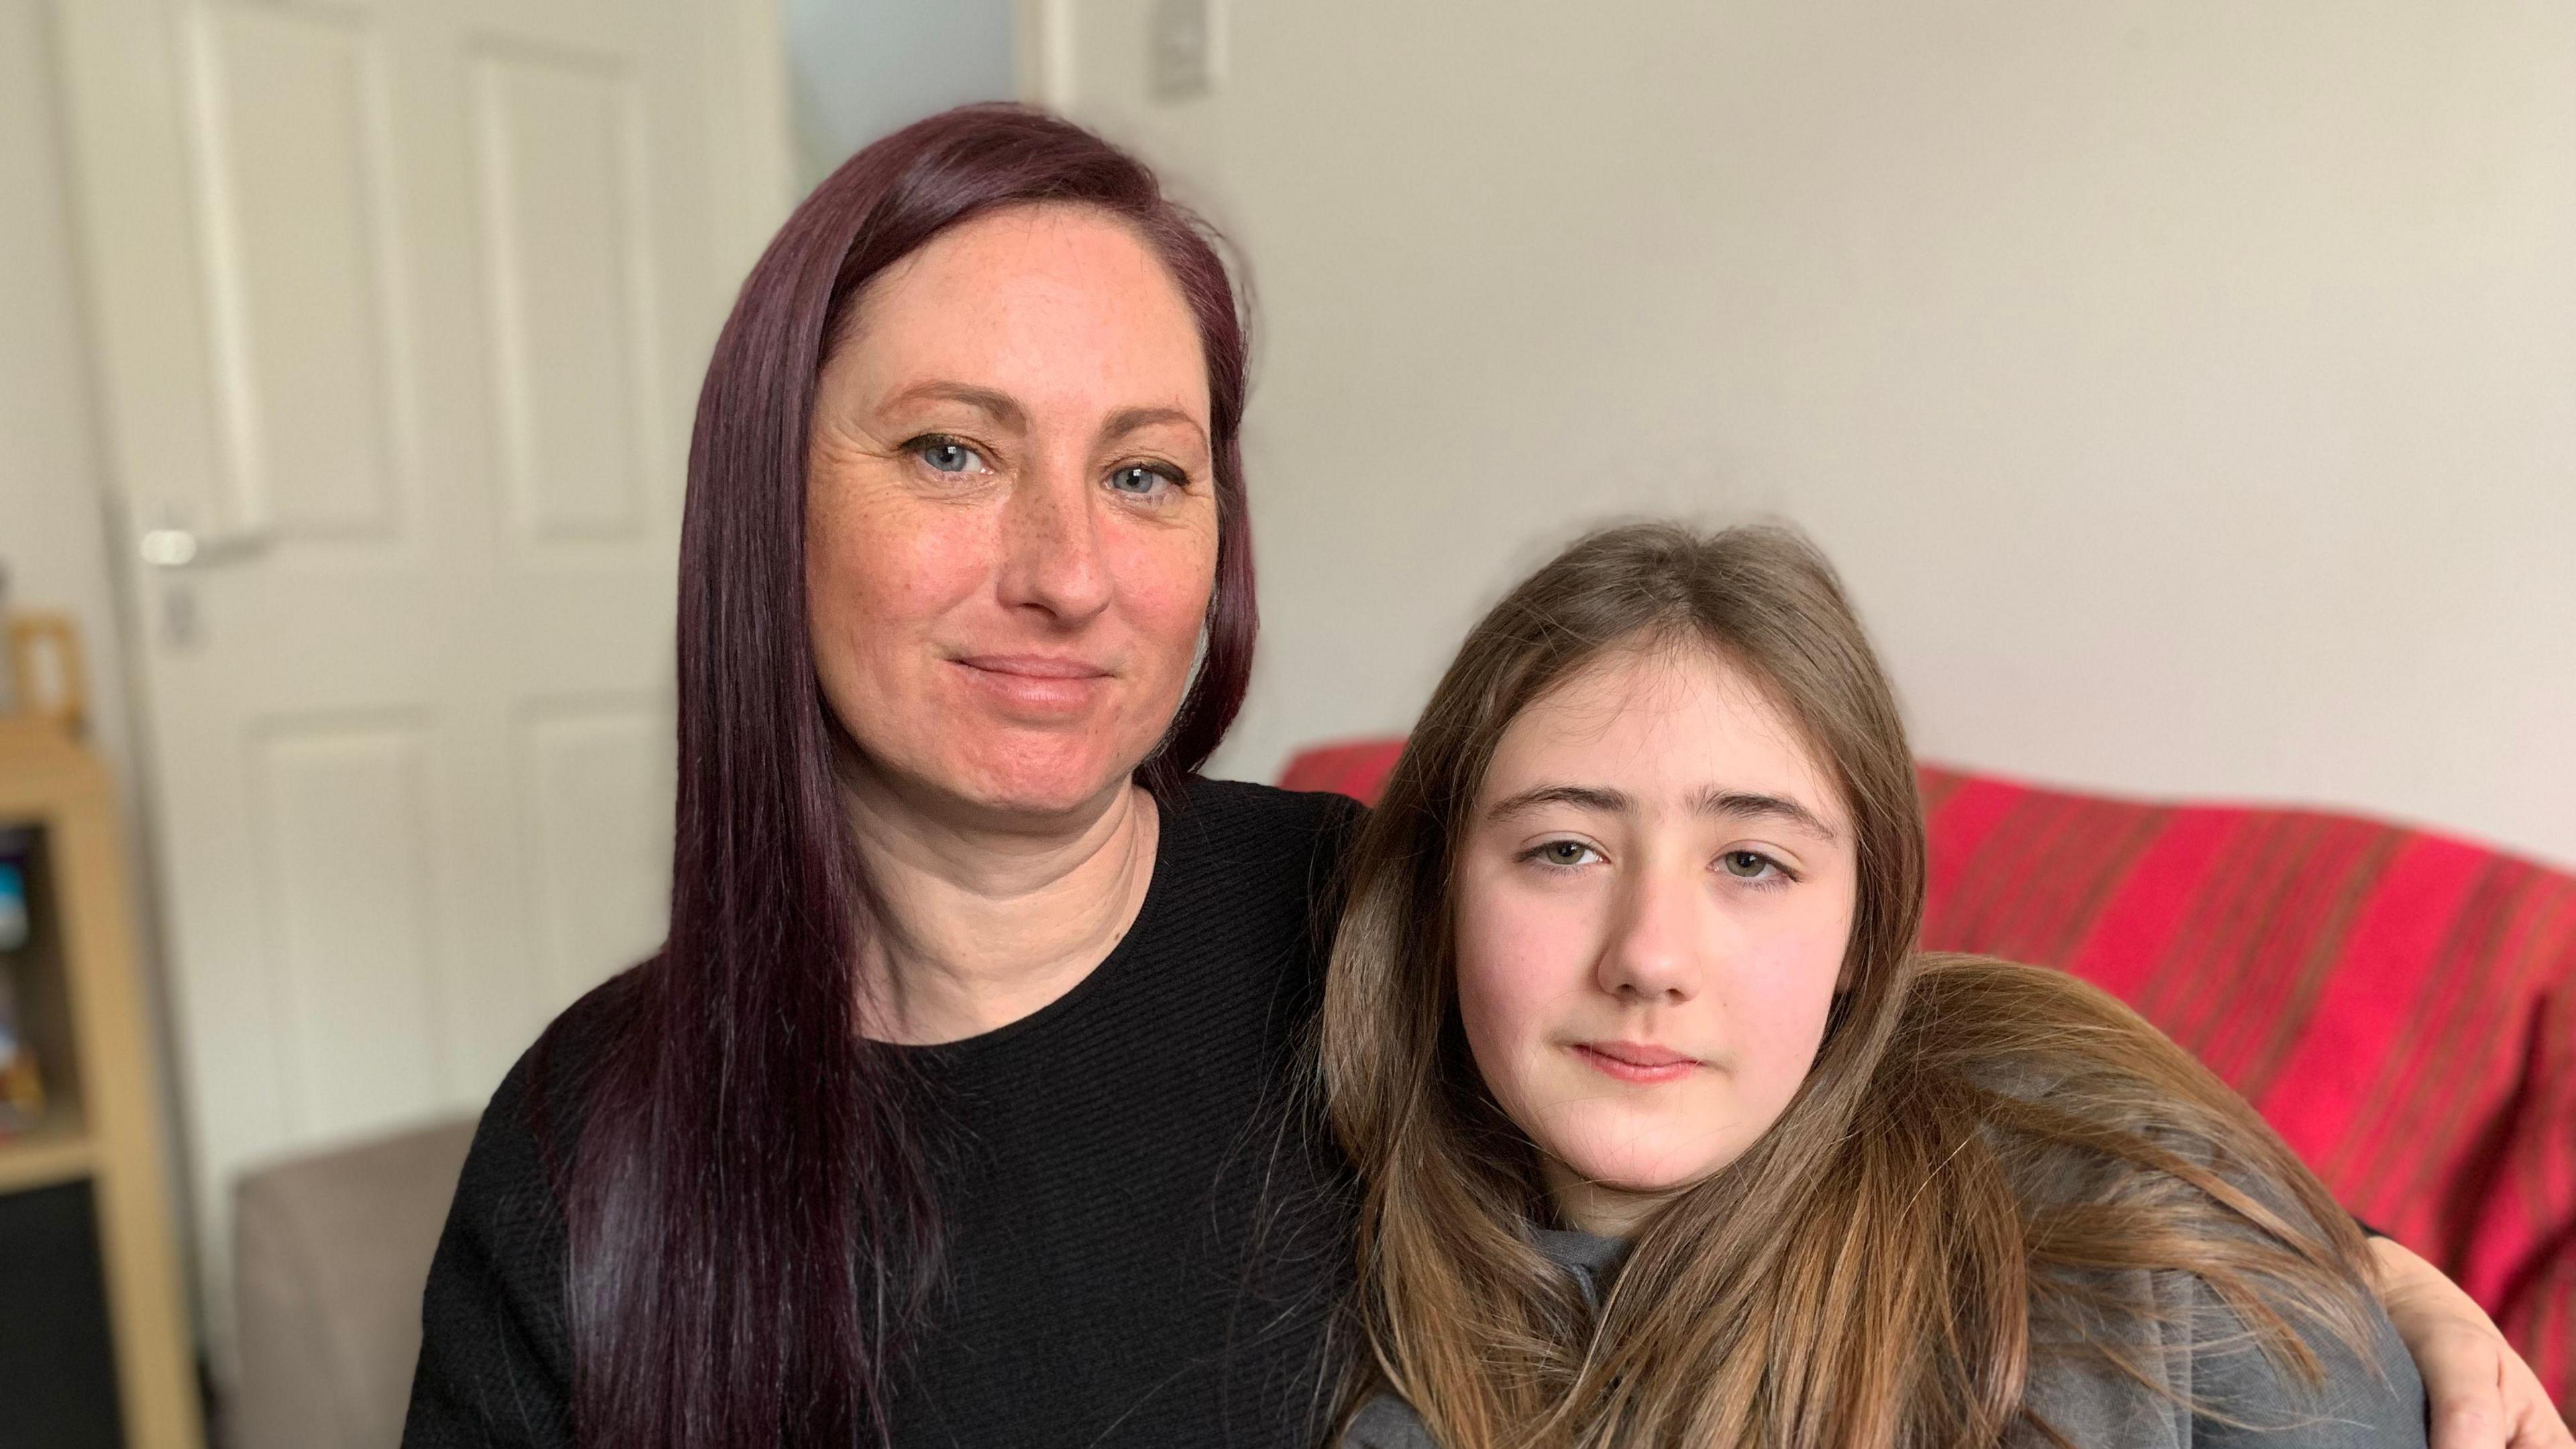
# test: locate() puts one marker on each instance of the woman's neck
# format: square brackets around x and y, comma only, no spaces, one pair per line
[984,922]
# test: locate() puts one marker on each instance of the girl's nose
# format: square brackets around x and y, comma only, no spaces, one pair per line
[1657,944]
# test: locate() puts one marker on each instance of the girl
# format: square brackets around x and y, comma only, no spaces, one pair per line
[1669,1135]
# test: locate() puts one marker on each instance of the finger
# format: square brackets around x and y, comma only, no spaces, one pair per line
[2469,1423]
[2541,1424]
[2542,1429]
[2466,1381]
[2534,1419]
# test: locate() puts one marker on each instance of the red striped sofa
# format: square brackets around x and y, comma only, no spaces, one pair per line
[2400,1005]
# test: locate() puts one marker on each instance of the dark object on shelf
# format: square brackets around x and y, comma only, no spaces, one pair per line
[57,1367]
[15,921]
[22,1087]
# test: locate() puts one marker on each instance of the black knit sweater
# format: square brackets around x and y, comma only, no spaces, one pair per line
[1145,1242]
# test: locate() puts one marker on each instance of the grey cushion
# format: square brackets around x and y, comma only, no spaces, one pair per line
[329,1257]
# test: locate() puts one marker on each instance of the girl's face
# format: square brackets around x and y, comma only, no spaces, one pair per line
[1653,900]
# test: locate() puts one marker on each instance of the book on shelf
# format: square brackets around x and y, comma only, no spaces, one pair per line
[22,1088]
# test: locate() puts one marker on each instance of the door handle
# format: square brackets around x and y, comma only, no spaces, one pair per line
[180,548]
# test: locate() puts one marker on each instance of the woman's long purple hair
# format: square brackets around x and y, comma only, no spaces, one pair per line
[753,1228]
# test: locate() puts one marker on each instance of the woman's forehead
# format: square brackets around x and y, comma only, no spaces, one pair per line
[1008,299]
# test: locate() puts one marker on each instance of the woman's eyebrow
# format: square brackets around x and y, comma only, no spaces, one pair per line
[1596,798]
[1001,407]
[1717,801]
[1129,420]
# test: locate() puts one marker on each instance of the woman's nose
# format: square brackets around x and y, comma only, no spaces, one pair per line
[1051,547]
[1658,941]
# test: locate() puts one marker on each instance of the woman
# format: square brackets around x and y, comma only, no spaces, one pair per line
[1671,1137]
[946,1112]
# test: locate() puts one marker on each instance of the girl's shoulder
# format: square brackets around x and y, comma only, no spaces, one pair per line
[2141,1181]
[2169,1364]
[1387,1422]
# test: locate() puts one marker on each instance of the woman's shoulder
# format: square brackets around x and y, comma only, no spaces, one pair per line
[543,1092]
[496,1361]
[1287,835]
[508,1194]
[1243,807]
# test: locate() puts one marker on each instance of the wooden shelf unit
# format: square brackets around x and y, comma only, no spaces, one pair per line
[56,1151]
[102,1120]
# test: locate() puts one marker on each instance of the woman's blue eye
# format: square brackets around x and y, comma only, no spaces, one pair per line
[1747,864]
[1137,478]
[947,455]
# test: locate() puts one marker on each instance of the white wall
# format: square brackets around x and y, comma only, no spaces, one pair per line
[861,68]
[2187,388]
[53,522]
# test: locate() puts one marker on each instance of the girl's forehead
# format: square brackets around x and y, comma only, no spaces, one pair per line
[1660,719]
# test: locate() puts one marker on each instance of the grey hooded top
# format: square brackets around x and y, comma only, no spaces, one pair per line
[2361,1405]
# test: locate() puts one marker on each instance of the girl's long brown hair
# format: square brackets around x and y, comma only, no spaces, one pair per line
[1977,1145]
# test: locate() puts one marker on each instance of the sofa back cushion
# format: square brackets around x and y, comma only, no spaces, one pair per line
[330,1254]
[2400,1005]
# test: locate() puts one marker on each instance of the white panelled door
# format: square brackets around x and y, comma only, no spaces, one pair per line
[401,307]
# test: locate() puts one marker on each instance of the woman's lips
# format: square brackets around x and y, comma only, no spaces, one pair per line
[1038,683]
[1629,1061]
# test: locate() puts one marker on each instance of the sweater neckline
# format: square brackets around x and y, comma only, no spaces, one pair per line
[1592,1259]
[967,1051]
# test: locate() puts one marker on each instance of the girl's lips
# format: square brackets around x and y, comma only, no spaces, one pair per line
[1629,1061]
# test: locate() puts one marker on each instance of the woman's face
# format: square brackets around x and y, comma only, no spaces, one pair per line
[1653,899]
[1011,520]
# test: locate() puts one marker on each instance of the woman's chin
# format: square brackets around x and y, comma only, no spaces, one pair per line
[1037,783]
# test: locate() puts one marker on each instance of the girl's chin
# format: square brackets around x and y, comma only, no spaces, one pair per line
[1648,1184]
[1632,1174]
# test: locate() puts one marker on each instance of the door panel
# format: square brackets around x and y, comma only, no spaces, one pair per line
[568,254]
[346,852]
[401,307]
[597,782]
[295,240]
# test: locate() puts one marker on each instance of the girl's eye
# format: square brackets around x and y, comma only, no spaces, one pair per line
[1563,853]
[947,455]
[1140,479]
[1748,864]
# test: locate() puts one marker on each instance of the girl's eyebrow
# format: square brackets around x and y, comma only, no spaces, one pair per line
[1602,800]
[1596,798]
[1714,801]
